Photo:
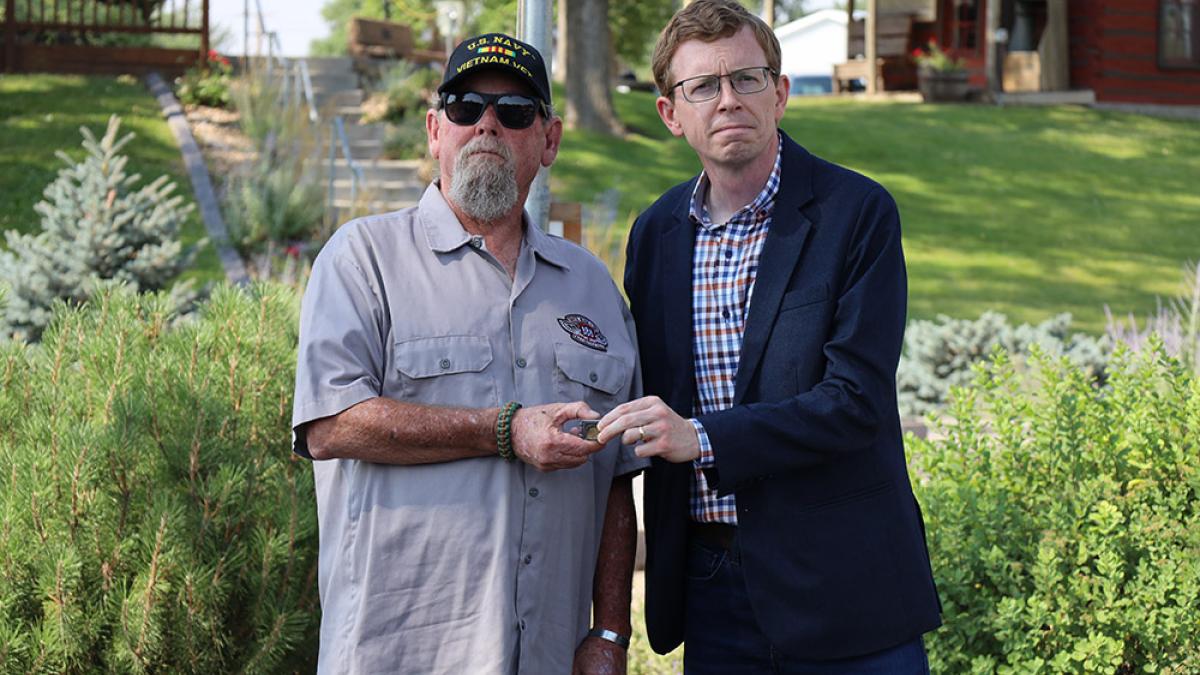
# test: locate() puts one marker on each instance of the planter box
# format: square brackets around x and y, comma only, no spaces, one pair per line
[942,86]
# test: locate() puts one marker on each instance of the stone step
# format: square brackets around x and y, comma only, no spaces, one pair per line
[346,98]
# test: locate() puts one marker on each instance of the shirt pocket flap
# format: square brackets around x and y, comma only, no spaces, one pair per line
[593,369]
[430,357]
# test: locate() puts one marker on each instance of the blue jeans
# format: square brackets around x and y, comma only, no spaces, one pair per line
[722,636]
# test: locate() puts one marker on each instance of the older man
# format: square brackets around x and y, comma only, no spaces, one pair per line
[442,350]
[769,295]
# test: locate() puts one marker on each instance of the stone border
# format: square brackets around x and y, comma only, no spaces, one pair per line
[206,197]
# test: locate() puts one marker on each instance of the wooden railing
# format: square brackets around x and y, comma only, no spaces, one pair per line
[61,35]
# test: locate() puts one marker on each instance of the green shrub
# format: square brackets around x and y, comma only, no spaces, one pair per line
[939,355]
[206,86]
[152,517]
[1064,522]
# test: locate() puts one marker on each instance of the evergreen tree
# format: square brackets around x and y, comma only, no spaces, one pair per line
[96,225]
[153,518]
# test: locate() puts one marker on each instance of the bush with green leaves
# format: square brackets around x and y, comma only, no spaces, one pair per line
[939,355]
[1064,521]
[96,226]
[152,515]
[207,84]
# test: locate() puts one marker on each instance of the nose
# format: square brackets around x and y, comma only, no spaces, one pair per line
[728,99]
[488,124]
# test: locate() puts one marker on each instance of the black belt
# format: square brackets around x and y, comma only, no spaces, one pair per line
[717,535]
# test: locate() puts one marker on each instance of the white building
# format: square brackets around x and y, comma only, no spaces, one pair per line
[811,45]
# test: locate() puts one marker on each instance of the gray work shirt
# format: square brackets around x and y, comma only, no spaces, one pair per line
[478,565]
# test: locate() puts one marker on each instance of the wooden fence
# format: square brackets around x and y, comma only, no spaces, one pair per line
[102,36]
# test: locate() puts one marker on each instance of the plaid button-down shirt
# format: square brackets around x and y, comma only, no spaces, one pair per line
[724,266]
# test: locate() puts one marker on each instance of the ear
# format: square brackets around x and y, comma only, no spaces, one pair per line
[432,128]
[666,112]
[554,132]
[782,88]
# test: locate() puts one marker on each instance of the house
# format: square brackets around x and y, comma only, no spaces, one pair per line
[811,46]
[1120,51]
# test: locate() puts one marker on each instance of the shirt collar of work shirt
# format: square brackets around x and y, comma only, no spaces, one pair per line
[749,216]
[445,234]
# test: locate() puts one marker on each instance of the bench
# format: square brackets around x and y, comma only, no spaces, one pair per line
[373,43]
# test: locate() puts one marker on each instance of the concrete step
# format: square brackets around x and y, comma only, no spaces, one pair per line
[374,206]
[338,65]
[333,82]
[345,98]
[390,191]
[379,169]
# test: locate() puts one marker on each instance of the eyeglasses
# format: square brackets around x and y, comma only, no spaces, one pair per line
[707,87]
[513,110]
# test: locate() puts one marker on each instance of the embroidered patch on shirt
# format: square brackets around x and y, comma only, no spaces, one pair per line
[584,331]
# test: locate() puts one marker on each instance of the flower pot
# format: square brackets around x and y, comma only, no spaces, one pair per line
[942,85]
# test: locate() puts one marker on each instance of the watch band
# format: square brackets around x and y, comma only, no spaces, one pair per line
[614,637]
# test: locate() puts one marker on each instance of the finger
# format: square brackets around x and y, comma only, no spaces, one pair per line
[628,407]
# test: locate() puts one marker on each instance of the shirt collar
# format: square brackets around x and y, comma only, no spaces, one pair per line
[698,212]
[444,233]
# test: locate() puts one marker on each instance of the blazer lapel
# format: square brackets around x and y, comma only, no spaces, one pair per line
[679,239]
[785,240]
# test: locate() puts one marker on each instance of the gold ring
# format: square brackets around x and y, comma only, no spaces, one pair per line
[642,431]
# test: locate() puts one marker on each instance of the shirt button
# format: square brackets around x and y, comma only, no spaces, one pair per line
[477,241]
[593,377]
[728,253]
[520,363]
[533,492]
[445,363]
[725,313]
[528,559]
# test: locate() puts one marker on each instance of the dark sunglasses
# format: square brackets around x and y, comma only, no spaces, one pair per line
[513,110]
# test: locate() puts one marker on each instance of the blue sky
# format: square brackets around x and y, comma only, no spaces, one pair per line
[296,21]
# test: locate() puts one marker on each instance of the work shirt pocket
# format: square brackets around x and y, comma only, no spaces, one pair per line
[447,370]
[591,376]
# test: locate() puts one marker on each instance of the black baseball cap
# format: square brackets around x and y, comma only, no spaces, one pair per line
[497,51]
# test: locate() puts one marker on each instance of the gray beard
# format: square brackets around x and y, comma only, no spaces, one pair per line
[484,190]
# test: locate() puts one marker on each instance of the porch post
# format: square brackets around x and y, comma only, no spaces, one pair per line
[204,34]
[869,47]
[991,56]
[10,36]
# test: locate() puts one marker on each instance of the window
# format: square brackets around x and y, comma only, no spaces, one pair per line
[1179,33]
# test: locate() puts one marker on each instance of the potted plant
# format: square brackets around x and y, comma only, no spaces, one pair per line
[940,76]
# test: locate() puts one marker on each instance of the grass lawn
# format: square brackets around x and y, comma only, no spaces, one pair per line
[1028,211]
[42,113]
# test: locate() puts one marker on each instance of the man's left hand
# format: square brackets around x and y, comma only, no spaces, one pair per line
[599,657]
[654,427]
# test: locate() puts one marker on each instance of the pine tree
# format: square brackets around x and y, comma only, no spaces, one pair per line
[95,226]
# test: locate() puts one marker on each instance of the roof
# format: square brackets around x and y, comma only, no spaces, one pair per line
[808,21]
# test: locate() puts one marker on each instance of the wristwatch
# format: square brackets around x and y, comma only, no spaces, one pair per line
[614,637]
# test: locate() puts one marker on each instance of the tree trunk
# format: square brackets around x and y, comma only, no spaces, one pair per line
[589,75]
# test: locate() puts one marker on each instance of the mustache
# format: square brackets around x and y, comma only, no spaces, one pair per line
[485,144]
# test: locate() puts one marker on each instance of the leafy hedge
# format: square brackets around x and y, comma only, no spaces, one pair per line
[152,518]
[1064,522]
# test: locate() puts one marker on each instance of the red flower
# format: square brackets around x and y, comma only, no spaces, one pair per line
[293,251]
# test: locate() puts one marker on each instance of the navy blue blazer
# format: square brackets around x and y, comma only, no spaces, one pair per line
[832,542]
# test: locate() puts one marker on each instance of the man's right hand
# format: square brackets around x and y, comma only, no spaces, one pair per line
[539,441]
